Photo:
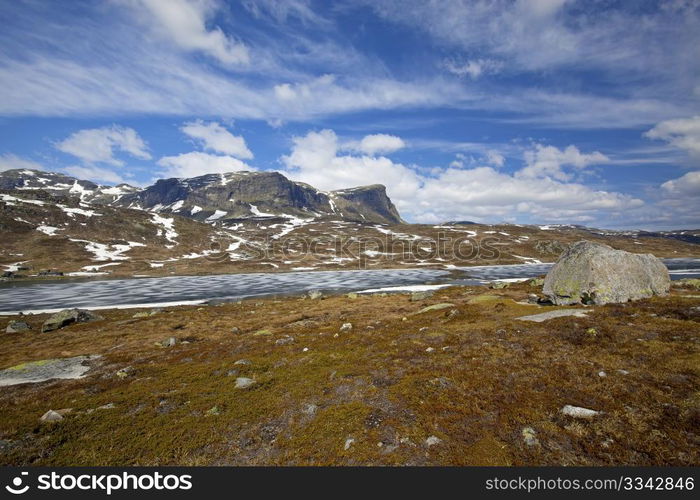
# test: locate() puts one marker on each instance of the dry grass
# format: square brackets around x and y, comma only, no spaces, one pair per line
[485,377]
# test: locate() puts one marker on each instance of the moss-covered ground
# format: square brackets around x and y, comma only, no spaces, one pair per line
[471,375]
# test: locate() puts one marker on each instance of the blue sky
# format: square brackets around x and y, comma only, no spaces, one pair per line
[527,111]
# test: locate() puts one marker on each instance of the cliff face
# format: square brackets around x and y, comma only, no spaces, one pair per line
[219,197]
[366,203]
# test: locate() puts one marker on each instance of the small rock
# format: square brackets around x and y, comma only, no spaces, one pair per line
[285,340]
[423,329]
[346,327]
[432,441]
[348,443]
[142,314]
[429,349]
[530,436]
[592,332]
[51,416]
[536,282]
[235,330]
[435,307]
[169,342]
[244,382]
[602,374]
[578,412]
[416,296]
[108,406]
[309,409]
[453,313]
[213,411]
[242,362]
[532,298]
[315,294]
[557,313]
[68,317]
[497,285]
[623,372]
[17,327]
[352,295]
[125,372]
[262,332]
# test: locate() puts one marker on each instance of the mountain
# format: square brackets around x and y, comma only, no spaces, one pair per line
[62,185]
[220,198]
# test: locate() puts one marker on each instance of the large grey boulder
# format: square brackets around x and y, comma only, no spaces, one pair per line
[68,317]
[593,273]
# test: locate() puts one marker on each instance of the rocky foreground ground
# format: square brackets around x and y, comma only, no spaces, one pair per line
[453,378]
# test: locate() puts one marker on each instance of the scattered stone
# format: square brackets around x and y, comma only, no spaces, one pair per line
[125,372]
[559,313]
[453,313]
[51,416]
[315,294]
[235,330]
[430,349]
[623,372]
[47,369]
[146,314]
[244,382]
[348,443]
[309,409]
[242,362]
[433,441]
[435,307]
[593,273]
[213,411]
[169,342]
[17,327]
[108,406]
[530,436]
[498,285]
[602,374]
[423,329]
[68,317]
[352,295]
[536,282]
[416,296]
[346,327]
[579,412]
[285,340]
[532,298]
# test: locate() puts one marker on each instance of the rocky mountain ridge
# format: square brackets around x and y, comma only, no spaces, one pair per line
[220,198]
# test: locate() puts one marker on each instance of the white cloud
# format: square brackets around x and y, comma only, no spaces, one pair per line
[9,161]
[99,144]
[480,192]
[683,133]
[686,186]
[314,159]
[473,68]
[214,137]
[495,158]
[185,23]
[378,144]
[547,161]
[95,174]
[197,163]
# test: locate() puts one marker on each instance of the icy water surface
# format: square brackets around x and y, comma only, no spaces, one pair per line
[173,290]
